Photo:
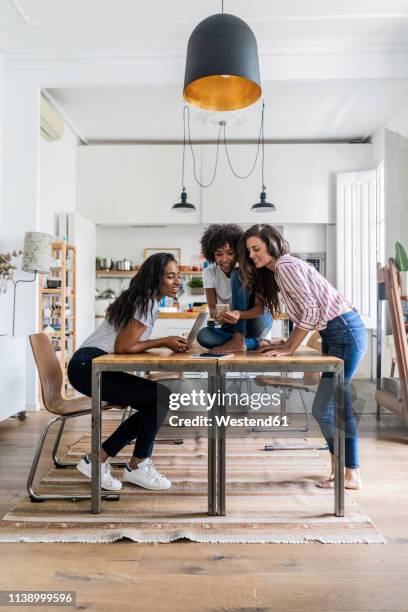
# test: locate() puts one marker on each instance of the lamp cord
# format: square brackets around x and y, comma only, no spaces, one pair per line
[183,188]
[222,128]
[186,111]
[260,140]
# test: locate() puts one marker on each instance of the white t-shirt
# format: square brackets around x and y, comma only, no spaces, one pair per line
[104,336]
[215,278]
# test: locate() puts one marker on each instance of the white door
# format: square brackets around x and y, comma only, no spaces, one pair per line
[356,241]
[82,234]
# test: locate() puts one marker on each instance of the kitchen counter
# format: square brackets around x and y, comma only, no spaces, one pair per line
[169,315]
[193,315]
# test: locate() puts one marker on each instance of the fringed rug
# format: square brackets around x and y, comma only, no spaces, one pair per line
[272,497]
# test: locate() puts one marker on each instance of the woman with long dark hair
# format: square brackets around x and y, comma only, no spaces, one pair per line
[312,304]
[126,329]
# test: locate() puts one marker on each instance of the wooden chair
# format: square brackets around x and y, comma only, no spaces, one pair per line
[397,402]
[308,382]
[51,381]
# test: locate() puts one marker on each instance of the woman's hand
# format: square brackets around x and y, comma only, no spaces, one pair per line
[279,351]
[229,316]
[177,344]
[267,345]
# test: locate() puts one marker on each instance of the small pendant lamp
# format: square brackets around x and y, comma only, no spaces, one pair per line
[183,206]
[263,206]
[222,66]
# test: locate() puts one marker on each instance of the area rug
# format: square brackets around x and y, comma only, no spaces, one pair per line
[272,497]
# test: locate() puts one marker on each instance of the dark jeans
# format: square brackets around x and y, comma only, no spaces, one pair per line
[344,337]
[252,329]
[150,399]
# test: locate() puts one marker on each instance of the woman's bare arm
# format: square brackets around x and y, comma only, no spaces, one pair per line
[211,298]
[128,340]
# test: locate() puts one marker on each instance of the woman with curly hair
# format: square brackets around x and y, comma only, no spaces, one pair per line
[245,323]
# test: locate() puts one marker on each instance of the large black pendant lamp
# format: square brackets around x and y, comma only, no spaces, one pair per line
[222,67]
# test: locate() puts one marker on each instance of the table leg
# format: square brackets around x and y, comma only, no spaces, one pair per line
[212,454]
[339,439]
[221,449]
[96,441]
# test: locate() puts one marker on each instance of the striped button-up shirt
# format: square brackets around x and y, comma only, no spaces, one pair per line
[311,302]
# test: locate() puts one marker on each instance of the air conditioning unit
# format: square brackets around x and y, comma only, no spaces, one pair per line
[52,125]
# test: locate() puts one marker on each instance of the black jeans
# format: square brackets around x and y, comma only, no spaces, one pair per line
[150,399]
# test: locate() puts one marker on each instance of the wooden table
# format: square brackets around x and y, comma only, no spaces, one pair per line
[158,360]
[305,359]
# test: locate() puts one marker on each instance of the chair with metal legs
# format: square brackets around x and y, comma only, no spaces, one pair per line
[51,381]
[308,382]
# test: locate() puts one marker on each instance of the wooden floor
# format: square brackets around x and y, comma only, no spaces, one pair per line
[184,576]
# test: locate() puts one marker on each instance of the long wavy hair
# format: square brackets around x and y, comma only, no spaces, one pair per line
[144,287]
[262,280]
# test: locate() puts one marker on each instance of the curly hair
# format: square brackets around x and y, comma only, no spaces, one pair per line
[218,235]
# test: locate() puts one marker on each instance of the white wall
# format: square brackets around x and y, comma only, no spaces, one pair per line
[58,179]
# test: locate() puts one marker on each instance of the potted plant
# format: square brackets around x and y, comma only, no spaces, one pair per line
[196,285]
[7,269]
[401,263]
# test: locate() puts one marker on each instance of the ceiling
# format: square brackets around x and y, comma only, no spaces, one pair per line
[300,110]
[330,70]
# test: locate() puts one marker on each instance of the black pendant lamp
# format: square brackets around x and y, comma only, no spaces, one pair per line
[183,206]
[263,206]
[222,67]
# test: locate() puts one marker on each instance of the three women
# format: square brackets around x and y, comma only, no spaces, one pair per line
[270,273]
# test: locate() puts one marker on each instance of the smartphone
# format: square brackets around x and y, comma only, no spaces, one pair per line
[212,355]
[219,308]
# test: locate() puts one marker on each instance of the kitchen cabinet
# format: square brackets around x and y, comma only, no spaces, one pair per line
[136,184]
[300,181]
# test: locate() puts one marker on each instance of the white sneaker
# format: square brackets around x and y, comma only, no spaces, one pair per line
[108,482]
[146,476]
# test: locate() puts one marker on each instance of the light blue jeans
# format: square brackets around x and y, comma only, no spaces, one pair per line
[252,329]
[344,337]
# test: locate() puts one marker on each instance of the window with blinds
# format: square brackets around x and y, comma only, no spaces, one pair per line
[356,241]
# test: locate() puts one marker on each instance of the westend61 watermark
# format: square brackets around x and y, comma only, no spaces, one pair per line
[202,399]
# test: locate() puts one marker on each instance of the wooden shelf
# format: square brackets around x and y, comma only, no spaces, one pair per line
[131,273]
[65,336]
[115,273]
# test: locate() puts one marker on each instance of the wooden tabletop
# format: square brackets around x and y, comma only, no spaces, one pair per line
[303,356]
[155,356]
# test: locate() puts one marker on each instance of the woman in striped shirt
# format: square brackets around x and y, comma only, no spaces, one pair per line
[312,304]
